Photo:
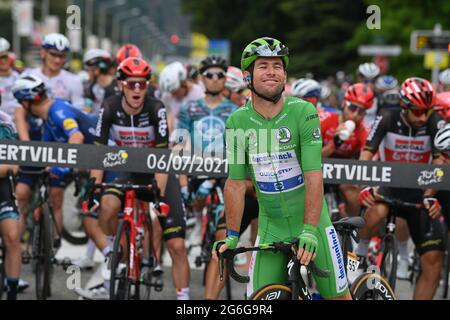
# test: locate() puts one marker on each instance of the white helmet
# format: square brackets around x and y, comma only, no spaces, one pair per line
[369,70]
[386,82]
[94,55]
[325,92]
[235,79]
[444,77]
[28,88]
[56,41]
[171,77]
[442,138]
[304,88]
[4,45]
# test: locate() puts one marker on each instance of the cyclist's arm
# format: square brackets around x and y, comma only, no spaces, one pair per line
[4,168]
[161,180]
[311,162]
[183,131]
[236,184]
[376,135]
[328,150]
[313,196]
[101,136]
[234,193]
[66,119]
[22,124]
[76,138]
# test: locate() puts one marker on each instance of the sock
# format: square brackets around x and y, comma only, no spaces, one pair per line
[12,283]
[363,247]
[403,250]
[90,250]
[106,250]
[183,294]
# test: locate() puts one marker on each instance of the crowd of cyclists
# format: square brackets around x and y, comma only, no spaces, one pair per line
[374,117]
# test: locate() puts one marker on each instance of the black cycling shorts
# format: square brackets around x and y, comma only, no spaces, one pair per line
[174,226]
[8,209]
[418,221]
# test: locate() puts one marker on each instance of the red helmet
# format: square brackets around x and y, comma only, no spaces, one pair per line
[133,67]
[361,94]
[417,92]
[442,104]
[126,51]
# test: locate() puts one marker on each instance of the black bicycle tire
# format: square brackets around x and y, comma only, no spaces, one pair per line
[360,290]
[115,260]
[390,244]
[277,286]
[147,291]
[446,271]
[43,262]
[78,241]
[2,272]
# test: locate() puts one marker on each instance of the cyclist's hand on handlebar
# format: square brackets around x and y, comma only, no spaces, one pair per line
[59,172]
[230,242]
[308,244]
[367,196]
[433,206]
[94,201]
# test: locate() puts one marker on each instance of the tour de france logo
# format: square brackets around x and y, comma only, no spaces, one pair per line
[284,135]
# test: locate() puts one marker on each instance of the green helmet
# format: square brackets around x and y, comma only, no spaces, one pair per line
[264,47]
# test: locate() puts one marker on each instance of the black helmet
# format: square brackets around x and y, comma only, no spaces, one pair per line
[213,61]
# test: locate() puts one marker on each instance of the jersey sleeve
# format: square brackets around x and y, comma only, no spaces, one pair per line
[378,131]
[235,151]
[310,138]
[160,122]
[104,123]
[66,119]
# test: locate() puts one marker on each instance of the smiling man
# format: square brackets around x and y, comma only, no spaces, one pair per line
[281,149]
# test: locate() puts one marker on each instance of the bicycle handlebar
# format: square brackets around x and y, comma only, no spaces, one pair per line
[399,203]
[275,247]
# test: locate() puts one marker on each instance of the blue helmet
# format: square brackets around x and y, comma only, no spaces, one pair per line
[28,88]
[386,82]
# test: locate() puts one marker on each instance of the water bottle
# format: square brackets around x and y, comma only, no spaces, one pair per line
[347,132]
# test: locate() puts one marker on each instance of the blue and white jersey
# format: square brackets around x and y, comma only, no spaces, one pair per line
[64,119]
[206,125]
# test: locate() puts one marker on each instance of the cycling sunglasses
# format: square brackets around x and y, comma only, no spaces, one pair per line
[58,55]
[210,75]
[4,57]
[418,112]
[353,108]
[132,85]
[368,81]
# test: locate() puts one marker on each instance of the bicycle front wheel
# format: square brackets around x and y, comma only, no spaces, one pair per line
[388,266]
[42,251]
[120,285]
[372,286]
[273,291]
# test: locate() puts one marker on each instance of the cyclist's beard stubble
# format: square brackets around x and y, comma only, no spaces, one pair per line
[269,90]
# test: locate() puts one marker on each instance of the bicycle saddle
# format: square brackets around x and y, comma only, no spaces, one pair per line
[350,223]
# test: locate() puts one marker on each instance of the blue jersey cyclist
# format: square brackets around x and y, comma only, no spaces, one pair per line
[61,123]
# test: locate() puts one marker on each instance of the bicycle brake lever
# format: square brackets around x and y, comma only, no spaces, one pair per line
[355,236]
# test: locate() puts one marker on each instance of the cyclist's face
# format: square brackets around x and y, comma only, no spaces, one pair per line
[418,118]
[4,61]
[354,112]
[269,76]
[54,59]
[135,90]
[214,79]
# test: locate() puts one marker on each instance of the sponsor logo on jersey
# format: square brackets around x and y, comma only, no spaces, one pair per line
[428,177]
[375,125]
[69,124]
[284,135]
[311,117]
[337,258]
[316,134]
[162,124]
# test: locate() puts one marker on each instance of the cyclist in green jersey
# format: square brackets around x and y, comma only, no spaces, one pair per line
[278,141]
